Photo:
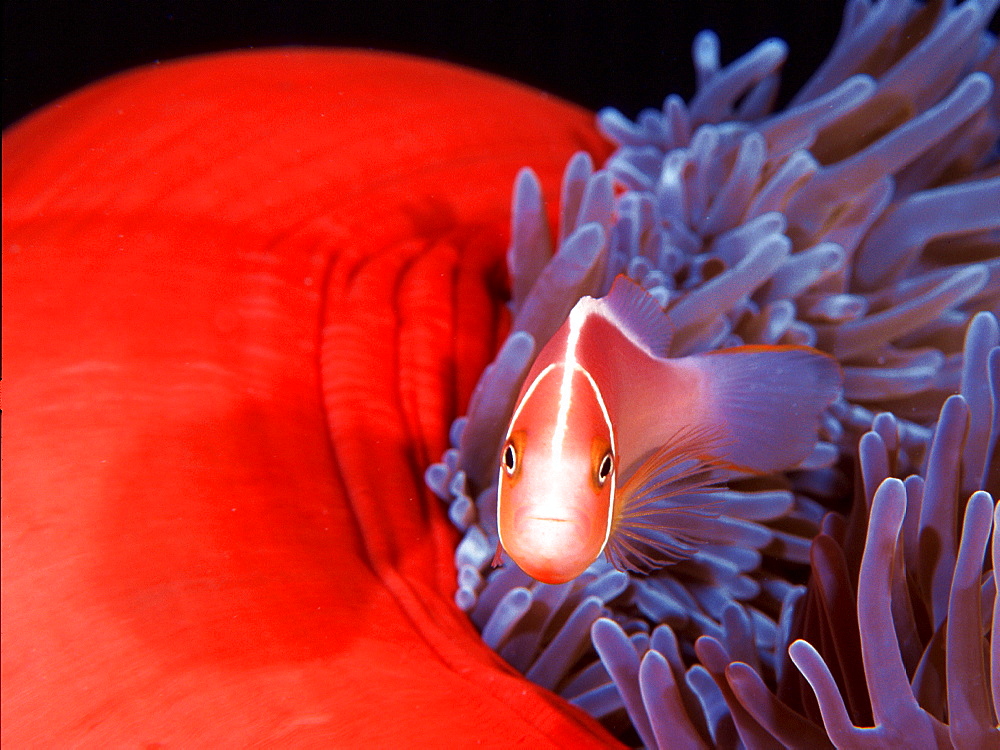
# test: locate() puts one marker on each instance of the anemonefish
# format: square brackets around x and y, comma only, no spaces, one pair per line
[606,423]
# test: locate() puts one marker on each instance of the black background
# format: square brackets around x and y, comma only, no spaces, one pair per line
[621,53]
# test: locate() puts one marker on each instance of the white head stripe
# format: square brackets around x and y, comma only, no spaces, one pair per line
[614,449]
[527,395]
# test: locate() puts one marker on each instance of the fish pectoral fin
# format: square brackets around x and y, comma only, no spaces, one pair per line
[497,561]
[662,508]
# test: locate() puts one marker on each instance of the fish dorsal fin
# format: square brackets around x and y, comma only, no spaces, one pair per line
[638,315]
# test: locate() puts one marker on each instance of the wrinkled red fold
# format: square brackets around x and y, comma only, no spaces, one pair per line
[244,296]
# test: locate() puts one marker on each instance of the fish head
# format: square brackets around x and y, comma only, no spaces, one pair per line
[557,476]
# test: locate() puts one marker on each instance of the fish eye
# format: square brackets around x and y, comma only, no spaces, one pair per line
[509,459]
[604,470]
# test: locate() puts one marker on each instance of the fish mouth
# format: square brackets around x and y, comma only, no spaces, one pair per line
[551,549]
[549,537]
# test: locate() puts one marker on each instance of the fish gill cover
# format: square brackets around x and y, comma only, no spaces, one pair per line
[863,220]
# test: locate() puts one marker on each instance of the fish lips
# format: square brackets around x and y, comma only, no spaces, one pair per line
[553,548]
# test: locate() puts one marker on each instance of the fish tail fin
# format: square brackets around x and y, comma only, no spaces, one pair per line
[658,509]
[770,399]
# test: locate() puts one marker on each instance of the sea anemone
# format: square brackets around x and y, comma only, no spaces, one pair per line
[231,352]
[864,220]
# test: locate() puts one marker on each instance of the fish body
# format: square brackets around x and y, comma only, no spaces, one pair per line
[605,423]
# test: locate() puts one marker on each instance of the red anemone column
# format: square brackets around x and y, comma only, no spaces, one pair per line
[244,295]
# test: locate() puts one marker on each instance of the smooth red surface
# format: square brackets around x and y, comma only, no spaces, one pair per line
[243,297]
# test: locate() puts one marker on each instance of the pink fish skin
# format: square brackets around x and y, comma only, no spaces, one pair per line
[606,423]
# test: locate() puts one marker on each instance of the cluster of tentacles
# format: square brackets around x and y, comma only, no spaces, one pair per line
[864,220]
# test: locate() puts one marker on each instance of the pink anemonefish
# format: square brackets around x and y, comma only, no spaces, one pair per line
[606,425]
